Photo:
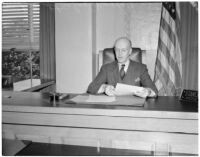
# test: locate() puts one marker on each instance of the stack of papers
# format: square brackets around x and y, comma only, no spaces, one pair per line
[124,89]
[93,99]
[108,100]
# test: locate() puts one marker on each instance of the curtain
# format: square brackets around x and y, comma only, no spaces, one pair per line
[189,45]
[47,42]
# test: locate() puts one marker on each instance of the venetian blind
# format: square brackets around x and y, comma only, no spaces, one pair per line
[20,25]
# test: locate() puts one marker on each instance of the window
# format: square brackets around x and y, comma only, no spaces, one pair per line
[20,24]
[20,44]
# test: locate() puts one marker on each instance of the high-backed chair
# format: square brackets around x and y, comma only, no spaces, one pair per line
[108,55]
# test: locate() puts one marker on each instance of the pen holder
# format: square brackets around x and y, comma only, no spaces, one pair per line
[54,97]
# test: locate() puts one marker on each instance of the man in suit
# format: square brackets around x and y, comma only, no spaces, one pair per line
[124,71]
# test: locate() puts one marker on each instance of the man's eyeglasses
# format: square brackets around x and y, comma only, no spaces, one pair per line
[121,50]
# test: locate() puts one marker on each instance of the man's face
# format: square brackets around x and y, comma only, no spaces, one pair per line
[122,50]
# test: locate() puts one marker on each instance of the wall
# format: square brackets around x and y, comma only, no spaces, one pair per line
[110,24]
[81,32]
[139,21]
[73,47]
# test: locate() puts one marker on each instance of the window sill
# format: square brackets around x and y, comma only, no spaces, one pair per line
[39,87]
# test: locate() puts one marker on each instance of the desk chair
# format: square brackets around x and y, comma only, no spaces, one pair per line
[108,55]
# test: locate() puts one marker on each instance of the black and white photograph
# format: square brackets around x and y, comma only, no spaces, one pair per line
[99,78]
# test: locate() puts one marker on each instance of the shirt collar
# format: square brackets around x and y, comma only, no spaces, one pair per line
[126,65]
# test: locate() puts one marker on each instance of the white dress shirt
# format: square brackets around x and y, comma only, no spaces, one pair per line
[125,67]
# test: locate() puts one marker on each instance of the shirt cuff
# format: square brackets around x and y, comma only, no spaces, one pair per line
[101,89]
[152,94]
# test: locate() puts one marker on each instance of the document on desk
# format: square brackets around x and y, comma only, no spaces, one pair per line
[109,100]
[93,99]
[100,98]
[124,89]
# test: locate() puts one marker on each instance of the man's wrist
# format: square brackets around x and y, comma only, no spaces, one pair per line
[152,93]
[102,89]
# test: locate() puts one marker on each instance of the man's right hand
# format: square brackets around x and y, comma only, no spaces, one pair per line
[109,90]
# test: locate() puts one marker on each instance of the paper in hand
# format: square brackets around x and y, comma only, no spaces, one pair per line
[124,89]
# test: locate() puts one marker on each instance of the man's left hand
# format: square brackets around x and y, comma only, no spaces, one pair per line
[146,92]
[143,93]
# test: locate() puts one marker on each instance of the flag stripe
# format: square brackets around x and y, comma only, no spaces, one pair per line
[167,45]
[167,29]
[167,71]
[168,19]
[166,60]
[167,86]
[163,73]
[163,50]
[162,47]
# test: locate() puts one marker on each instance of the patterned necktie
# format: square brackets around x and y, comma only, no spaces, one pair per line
[122,72]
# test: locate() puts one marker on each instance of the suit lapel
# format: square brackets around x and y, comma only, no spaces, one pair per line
[115,73]
[130,74]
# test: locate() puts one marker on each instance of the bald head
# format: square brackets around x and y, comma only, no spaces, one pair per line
[124,41]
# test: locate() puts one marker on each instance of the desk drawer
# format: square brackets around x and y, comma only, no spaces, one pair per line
[103,122]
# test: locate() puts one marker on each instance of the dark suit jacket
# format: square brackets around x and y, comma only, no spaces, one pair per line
[137,74]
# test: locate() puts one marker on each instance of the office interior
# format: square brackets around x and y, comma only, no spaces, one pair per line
[72,37]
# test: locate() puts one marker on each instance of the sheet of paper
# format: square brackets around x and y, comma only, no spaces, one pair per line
[93,99]
[100,98]
[124,89]
[80,98]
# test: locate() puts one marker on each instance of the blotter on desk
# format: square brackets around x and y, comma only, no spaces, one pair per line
[106,100]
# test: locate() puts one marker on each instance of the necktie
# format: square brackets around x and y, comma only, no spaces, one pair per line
[122,72]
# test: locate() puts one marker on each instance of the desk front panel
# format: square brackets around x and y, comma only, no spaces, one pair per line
[102,126]
[103,122]
[107,131]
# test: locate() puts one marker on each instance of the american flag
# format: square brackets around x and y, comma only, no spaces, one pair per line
[168,68]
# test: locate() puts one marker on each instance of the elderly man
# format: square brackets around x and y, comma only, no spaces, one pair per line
[124,71]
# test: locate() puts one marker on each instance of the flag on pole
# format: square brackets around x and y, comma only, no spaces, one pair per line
[168,67]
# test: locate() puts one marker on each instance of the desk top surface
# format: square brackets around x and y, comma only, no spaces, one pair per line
[42,101]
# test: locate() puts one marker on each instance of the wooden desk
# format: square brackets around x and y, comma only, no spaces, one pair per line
[165,120]
[12,147]
[46,149]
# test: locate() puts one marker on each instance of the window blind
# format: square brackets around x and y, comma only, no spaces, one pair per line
[20,26]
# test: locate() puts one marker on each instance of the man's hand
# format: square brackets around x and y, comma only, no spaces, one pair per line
[146,92]
[143,93]
[109,90]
